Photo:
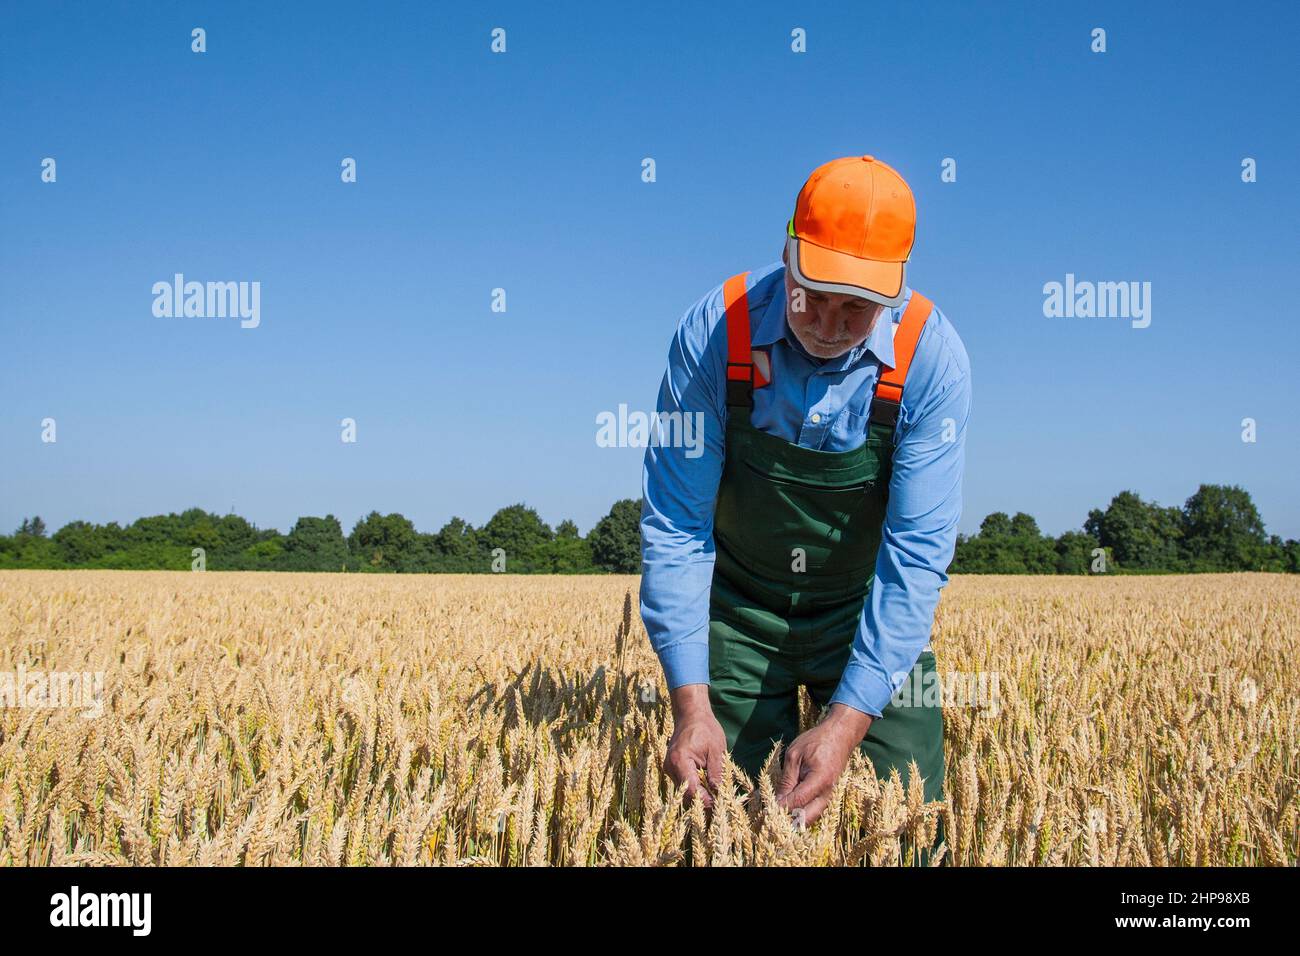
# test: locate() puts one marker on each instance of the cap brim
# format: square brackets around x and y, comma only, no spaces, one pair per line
[827,270]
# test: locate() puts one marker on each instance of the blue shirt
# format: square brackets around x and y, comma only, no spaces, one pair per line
[820,404]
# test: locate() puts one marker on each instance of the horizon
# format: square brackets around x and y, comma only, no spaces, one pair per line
[349,525]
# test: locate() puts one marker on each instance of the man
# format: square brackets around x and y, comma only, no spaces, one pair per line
[808,542]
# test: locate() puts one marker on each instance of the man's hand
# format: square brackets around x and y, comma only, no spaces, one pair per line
[812,764]
[698,742]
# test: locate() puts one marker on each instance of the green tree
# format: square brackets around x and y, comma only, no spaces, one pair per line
[995,525]
[267,555]
[616,539]
[381,542]
[1074,552]
[234,534]
[457,547]
[315,544]
[150,556]
[33,528]
[1030,550]
[1024,526]
[1222,530]
[1291,553]
[29,551]
[1142,535]
[81,542]
[203,534]
[563,555]
[1276,558]
[520,532]
[1005,545]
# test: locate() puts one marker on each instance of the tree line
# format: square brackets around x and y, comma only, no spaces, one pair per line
[514,540]
[1217,529]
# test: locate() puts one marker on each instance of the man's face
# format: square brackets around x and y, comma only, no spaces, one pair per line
[827,324]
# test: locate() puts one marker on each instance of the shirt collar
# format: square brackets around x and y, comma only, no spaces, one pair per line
[772,326]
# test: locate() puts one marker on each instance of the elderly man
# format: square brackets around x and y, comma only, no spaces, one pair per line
[808,544]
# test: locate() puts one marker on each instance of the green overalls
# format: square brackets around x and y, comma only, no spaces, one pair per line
[773,628]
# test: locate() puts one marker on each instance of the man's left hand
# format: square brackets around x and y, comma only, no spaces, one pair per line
[815,760]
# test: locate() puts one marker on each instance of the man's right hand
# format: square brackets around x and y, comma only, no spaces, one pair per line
[698,743]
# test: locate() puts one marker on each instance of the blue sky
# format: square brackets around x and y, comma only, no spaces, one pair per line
[523,171]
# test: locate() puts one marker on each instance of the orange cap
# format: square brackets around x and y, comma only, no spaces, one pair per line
[852,230]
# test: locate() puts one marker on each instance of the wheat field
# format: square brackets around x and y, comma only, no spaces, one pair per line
[312,719]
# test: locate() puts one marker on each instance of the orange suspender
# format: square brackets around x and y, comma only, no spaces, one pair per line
[739,363]
[889,389]
[743,373]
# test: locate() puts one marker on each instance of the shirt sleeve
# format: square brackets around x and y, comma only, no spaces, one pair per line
[679,488]
[919,535]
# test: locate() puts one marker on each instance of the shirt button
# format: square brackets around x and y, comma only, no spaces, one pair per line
[816,418]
